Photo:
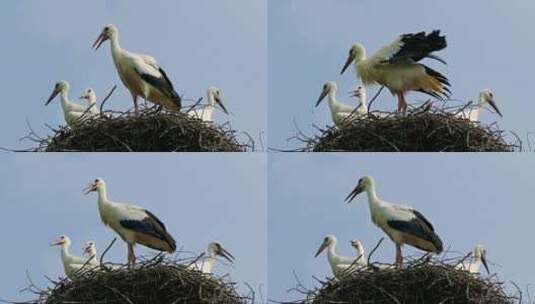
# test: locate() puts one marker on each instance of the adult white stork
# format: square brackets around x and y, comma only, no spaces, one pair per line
[91,98]
[340,265]
[403,224]
[205,113]
[396,66]
[72,112]
[141,74]
[135,225]
[479,257]
[207,262]
[340,113]
[90,250]
[472,114]
[72,264]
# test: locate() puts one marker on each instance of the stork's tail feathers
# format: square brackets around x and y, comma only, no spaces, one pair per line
[435,84]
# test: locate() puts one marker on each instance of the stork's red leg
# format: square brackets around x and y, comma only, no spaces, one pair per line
[399,258]
[402,104]
[131,256]
[136,109]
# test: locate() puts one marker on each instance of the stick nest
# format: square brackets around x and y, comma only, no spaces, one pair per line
[147,132]
[419,281]
[423,129]
[153,281]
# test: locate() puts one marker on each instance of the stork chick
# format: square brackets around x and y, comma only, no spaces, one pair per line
[472,114]
[403,224]
[135,225]
[72,112]
[340,265]
[91,98]
[214,250]
[213,96]
[479,257]
[140,74]
[341,114]
[72,264]
[396,66]
[90,250]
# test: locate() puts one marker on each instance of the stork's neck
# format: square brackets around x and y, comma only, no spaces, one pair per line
[331,253]
[93,256]
[114,45]
[360,252]
[65,253]
[333,103]
[208,263]
[373,200]
[103,196]
[92,100]
[362,99]
[64,98]
[211,99]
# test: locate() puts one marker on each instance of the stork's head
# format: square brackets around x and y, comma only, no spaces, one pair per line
[329,87]
[95,185]
[216,249]
[486,96]
[90,249]
[62,240]
[364,184]
[61,86]
[108,32]
[214,96]
[480,253]
[328,241]
[359,92]
[357,245]
[88,94]
[357,52]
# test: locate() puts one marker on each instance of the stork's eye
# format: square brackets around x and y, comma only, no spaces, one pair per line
[491,95]
[96,180]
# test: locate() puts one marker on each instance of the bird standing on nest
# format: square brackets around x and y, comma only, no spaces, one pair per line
[135,225]
[479,257]
[472,114]
[341,114]
[208,260]
[403,224]
[141,74]
[72,112]
[340,265]
[204,113]
[396,66]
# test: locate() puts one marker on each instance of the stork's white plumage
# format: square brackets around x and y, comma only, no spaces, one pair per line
[91,98]
[341,114]
[360,93]
[396,66]
[135,225]
[340,265]
[472,114]
[73,113]
[204,113]
[72,264]
[479,257]
[207,262]
[403,224]
[141,74]
[90,250]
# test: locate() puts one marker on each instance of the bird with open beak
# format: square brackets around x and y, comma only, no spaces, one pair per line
[403,224]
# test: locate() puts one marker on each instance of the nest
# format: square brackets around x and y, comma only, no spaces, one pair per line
[150,131]
[424,129]
[426,282]
[151,281]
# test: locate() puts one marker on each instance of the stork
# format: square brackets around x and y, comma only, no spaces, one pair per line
[403,224]
[357,245]
[91,98]
[73,113]
[135,225]
[472,114]
[479,257]
[72,264]
[140,73]
[208,261]
[90,250]
[340,113]
[396,66]
[360,93]
[205,113]
[340,265]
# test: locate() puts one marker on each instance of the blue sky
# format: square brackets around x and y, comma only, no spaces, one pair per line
[470,199]
[309,41]
[199,198]
[198,43]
